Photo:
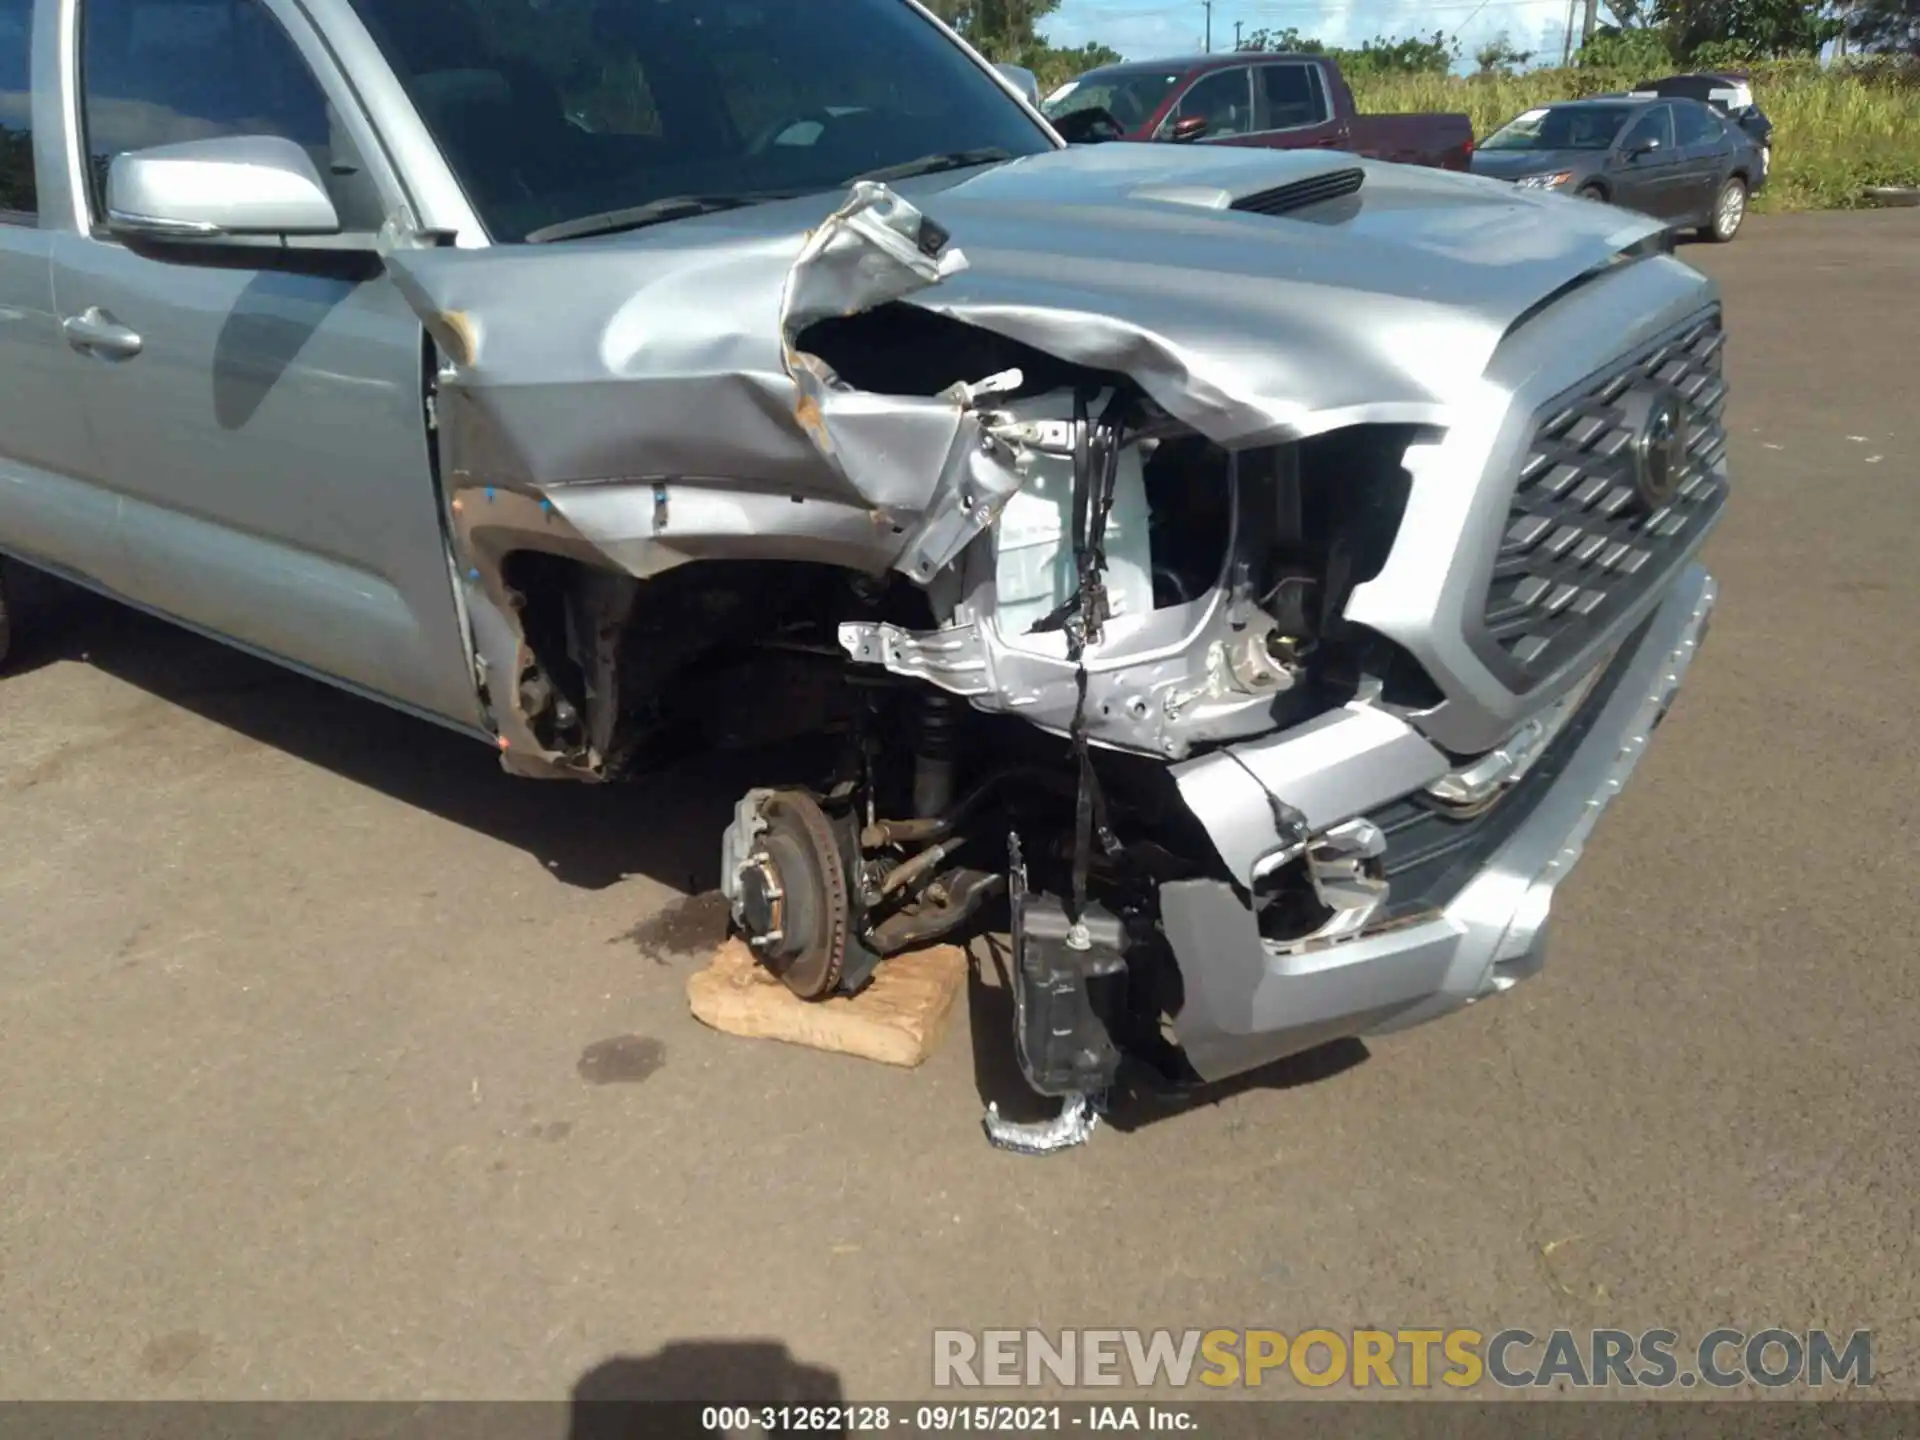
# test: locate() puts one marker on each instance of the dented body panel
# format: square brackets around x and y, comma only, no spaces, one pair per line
[664,350]
[1278,557]
[655,391]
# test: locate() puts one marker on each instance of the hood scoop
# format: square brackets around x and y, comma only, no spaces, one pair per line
[1298,194]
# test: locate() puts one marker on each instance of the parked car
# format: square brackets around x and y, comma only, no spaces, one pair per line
[1275,102]
[1675,160]
[1243,575]
[1731,95]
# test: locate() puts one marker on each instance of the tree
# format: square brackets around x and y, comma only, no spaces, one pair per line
[1008,32]
[1660,33]
[1889,27]
[1632,14]
[996,28]
[1499,57]
[1054,66]
[1615,47]
[1378,56]
[1432,56]
[1282,42]
[1748,29]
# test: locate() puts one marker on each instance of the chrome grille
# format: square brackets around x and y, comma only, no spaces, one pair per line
[1579,547]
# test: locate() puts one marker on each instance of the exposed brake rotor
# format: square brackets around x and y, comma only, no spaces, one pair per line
[793,896]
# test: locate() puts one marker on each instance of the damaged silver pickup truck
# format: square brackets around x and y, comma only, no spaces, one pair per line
[1245,575]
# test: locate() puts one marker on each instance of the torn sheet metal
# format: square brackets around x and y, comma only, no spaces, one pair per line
[1074,1125]
[930,461]
[665,353]
[645,399]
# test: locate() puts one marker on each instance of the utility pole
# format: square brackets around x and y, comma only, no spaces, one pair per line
[1209,40]
[1593,19]
[1236,33]
[1566,53]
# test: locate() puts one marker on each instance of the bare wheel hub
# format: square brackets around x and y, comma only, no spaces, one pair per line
[793,896]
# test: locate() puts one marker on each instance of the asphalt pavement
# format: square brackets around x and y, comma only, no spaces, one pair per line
[335,1063]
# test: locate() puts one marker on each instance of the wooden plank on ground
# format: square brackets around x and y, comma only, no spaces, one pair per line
[899,1019]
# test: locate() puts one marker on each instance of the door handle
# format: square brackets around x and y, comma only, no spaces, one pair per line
[96,332]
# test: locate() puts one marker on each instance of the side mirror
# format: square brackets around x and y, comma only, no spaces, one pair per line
[1023,80]
[1641,148]
[1187,129]
[210,190]
[1091,126]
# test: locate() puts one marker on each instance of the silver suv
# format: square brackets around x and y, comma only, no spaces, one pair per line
[1242,575]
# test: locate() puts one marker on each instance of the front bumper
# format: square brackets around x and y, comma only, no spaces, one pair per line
[1249,1001]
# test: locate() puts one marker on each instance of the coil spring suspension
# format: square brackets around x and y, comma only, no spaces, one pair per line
[933,758]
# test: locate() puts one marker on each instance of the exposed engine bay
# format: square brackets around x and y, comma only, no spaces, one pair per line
[1178,681]
[945,814]
[1002,734]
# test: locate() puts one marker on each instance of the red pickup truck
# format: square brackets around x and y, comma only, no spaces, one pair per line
[1281,102]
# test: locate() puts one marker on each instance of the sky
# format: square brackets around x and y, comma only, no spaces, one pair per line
[1144,29]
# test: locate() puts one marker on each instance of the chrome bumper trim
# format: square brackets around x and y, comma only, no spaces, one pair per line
[1249,1002]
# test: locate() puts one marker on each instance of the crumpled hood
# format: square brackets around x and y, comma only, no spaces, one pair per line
[646,400]
[668,351]
[1126,257]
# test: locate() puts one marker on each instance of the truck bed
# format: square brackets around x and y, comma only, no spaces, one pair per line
[1438,139]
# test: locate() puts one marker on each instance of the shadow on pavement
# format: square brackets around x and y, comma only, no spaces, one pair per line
[622,1396]
[32,601]
[1140,1099]
[665,826]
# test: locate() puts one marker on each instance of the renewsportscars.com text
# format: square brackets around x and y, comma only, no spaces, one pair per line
[1408,1358]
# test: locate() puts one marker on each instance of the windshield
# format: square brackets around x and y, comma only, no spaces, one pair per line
[1565,127]
[1130,96]
[549,111]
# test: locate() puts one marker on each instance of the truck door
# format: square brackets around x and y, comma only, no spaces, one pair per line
[47,513]
[1292,108]
[261,421]
[1225,99]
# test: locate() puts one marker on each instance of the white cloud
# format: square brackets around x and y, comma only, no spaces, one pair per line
[1143,29]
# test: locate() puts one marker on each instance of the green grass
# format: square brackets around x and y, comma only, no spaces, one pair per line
[1836,132]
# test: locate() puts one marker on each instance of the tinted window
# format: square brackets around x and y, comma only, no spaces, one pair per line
[159,72]
[16,107]
[554,110]
[1696,125]
[1130,96]
[1290,96]
[1225,97]
[1562,127]
[1655,126]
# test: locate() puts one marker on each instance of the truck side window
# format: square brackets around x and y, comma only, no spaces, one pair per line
[18,201]
[1225,98]
[1291,97]
[160,72]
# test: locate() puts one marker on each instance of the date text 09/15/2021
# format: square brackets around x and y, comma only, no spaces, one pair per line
[946,1419]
